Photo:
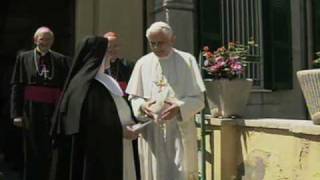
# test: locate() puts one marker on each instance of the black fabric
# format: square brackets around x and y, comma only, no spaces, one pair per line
[96,152]
[120,70]
[10,136]
[36,116]
[85,67]
[88,133]
[37,143]
[25,73]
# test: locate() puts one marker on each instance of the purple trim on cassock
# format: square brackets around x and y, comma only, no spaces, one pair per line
[42,94]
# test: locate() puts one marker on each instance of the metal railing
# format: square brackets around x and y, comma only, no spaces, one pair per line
[242,22]
[254,71]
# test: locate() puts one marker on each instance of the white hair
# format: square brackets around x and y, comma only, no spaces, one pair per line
[159,27]
[41,30]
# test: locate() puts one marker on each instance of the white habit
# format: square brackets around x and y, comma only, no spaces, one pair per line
[168,152]
[125,118]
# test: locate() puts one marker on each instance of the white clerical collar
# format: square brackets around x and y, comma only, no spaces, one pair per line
[110,83]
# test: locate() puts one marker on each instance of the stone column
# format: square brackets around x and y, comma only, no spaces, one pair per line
[180,15]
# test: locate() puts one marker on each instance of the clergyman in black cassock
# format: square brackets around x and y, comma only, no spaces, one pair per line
[37,80]
[88,131]
[120,69]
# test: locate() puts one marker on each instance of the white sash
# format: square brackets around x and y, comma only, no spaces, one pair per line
[110,83]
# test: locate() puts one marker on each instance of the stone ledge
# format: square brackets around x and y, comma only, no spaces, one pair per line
[261,91]
[291,125]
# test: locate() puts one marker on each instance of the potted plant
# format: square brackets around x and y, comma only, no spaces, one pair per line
[316,62]
[227,88]
[309,81]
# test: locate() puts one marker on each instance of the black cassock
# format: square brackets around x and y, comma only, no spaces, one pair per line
[121,71]
[36,85]
[88,131]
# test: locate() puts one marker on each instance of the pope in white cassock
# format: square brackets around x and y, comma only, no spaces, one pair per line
[166,87]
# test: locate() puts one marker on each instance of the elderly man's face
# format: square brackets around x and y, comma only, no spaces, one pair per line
[113,48]
[160,43]
[44,41]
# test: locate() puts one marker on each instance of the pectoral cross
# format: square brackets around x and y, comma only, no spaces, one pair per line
[161,83]
[44,71]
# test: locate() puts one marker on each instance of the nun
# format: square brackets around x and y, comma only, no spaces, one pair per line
[91,120]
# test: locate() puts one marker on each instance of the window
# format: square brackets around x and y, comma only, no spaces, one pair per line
[316,25]
[222,21]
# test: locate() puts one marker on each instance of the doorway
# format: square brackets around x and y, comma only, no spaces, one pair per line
[19,19]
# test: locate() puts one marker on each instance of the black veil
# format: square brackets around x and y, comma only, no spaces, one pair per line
[83,70]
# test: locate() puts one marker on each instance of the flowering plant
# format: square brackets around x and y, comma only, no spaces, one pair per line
[316,62]
[227,63]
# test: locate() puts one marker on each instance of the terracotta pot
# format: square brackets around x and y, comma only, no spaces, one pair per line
[228,98]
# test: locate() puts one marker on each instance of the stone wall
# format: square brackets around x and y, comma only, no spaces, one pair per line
[265,149]
[95,17]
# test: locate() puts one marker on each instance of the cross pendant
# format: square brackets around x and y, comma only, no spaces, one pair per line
[44,71]
[161,84]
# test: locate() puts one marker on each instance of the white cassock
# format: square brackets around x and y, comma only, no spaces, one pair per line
[125,116]
[168,152]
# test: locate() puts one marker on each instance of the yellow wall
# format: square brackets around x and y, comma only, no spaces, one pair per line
[268,153]
[99,16]
[274,154]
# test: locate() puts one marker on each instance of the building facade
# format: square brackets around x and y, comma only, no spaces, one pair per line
[285,31]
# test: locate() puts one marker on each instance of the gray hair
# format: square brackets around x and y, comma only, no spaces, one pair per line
[159,27]
[41,30]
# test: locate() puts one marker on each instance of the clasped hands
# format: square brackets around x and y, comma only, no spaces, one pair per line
[170,110]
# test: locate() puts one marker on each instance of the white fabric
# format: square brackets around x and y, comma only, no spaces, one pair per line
[126,119]
[168,152]
[186,75]
[110,83]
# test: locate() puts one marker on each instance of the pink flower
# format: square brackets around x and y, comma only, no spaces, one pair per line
[219,59]
[225,62]
[237,67]
[215,68]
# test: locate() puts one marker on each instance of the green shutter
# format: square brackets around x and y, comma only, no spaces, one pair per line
[209,26]
[210,23]
[316,25]
[277,43]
